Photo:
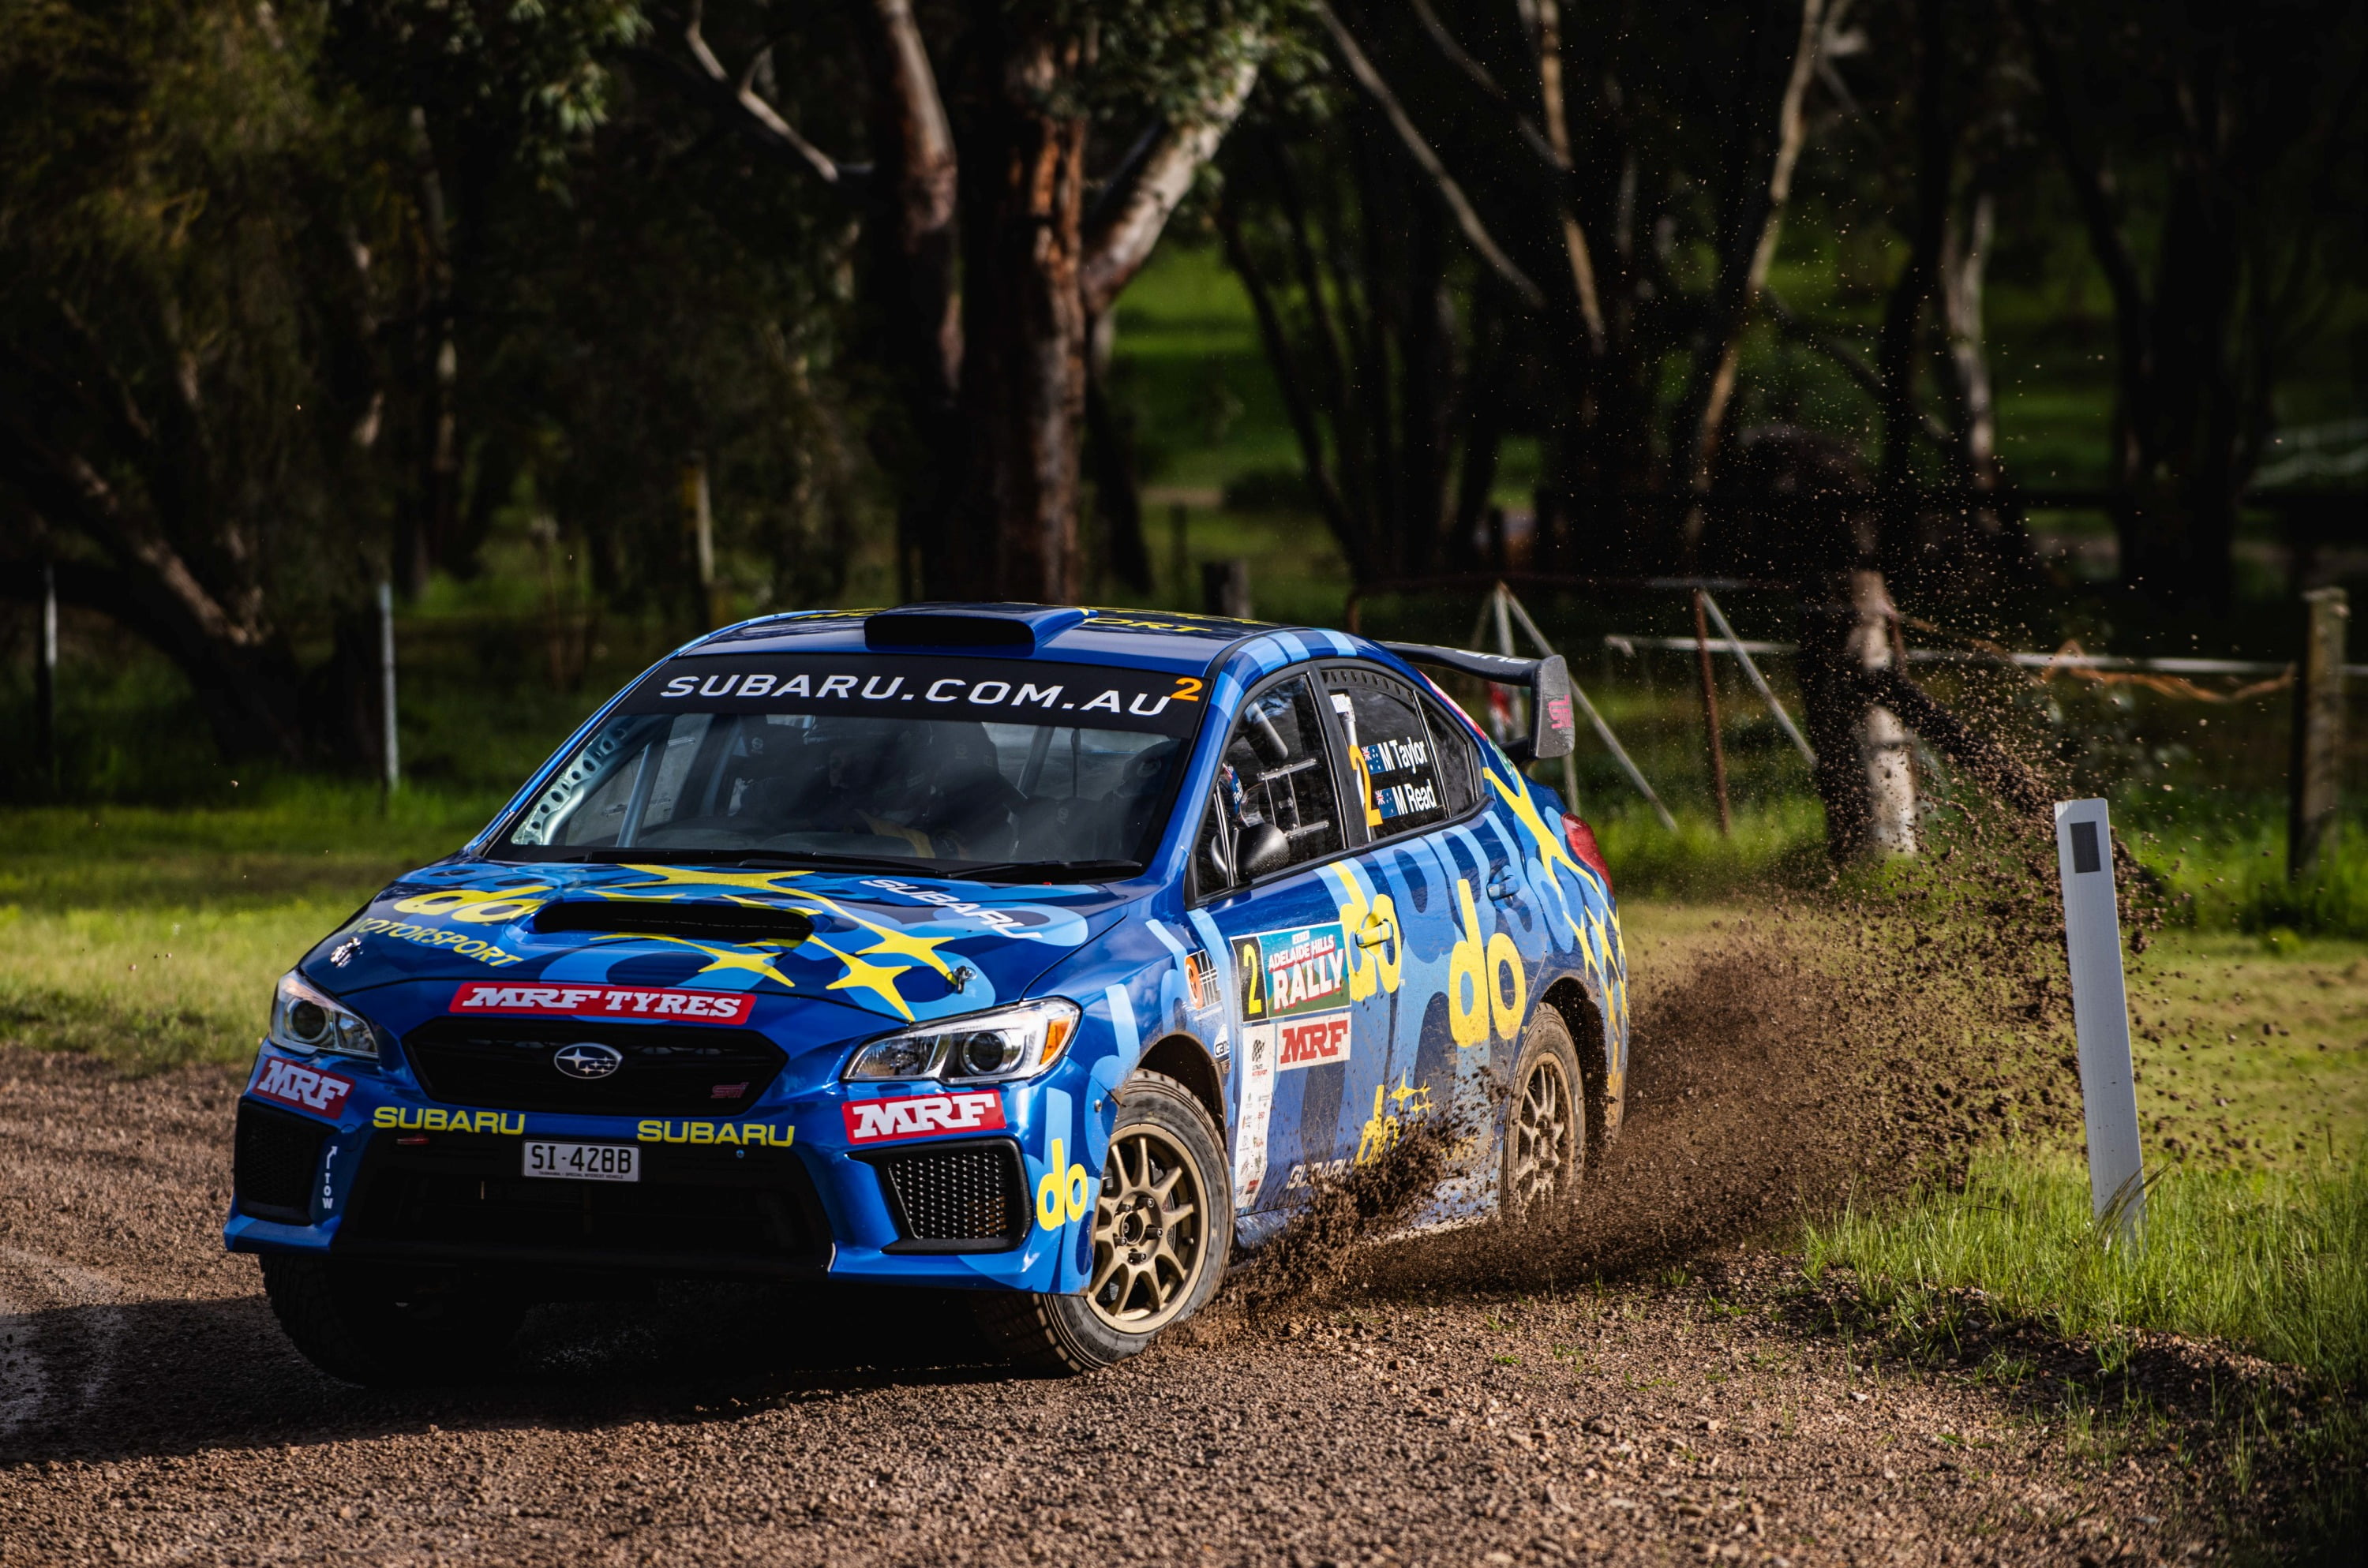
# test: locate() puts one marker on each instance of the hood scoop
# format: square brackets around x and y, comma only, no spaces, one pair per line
[743,923]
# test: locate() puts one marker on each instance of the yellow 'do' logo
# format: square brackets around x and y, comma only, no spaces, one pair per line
[478,906]
[1484,984]
[1062,1197]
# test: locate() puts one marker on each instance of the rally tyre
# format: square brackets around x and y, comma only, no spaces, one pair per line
[1545,1121]
[364,1325]
[1163,1226]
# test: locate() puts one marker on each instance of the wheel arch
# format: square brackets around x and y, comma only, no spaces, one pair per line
[1583,1015]
[1186,1061]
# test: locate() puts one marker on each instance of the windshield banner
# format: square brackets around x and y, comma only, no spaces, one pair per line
[874,685]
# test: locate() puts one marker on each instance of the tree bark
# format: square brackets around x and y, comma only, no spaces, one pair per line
[1110,451]
[913,319]
[1023,386]
[1865,772]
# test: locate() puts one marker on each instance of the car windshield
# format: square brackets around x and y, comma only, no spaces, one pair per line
[820,757]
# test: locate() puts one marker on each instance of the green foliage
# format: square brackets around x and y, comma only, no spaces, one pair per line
[2274,1261]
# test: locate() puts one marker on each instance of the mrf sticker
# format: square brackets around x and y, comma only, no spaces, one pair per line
[1286,973]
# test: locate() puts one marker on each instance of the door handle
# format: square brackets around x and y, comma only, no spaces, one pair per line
[1375,931]
[1504,885]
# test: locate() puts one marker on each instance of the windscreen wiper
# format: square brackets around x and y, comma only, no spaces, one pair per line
[611,857]
[1048,870]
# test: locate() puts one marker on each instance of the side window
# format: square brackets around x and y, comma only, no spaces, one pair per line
[1273,805]
[1394,772]
[1459,764]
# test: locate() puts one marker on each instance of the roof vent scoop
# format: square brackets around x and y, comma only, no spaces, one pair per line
[1017,626]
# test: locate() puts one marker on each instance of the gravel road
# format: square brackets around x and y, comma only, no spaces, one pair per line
[151,1411]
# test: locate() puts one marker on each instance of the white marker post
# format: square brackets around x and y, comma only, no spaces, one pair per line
[2101,1013]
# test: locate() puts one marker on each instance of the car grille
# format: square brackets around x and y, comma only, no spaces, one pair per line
[960,1197]
[274,1157]
[668,1068]
[462,1198]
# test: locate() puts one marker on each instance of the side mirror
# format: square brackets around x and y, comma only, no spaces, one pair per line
[1264,848]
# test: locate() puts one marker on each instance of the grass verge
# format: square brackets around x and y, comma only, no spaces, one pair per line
[2276,1261]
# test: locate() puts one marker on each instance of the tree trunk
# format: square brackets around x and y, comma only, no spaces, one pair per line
[1965,366]
[1110,451]
[1865,772]
[912,318]
[1024,334]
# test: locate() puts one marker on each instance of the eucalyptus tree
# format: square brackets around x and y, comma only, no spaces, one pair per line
[1012,165]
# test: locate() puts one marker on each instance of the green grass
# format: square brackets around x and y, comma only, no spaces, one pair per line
[152,988]
[150,937]
[2276,1262]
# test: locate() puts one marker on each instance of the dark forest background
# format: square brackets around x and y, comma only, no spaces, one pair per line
[2051,313]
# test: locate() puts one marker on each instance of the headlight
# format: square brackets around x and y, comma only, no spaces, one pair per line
[305,1018]
[1009,1042]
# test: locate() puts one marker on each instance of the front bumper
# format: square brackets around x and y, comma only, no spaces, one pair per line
[781,1192]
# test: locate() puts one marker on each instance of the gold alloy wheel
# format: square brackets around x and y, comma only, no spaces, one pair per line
[1149,1232]
[1545,1131]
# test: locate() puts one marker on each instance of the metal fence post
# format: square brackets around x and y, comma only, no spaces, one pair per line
[387,684]
[45,678]
[1710,718]
[2315,781]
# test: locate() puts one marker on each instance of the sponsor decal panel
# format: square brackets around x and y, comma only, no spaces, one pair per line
[1258,1110]
[749,1134]
[306,1088]
[1316,1041]
[922,1116]
[1305,969]
[436,1118]
[1200,976]
[605,1002]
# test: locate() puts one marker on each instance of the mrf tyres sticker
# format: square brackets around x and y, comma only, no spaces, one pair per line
[922,1116]
[605,1002]
[305,1088]
[1296,985]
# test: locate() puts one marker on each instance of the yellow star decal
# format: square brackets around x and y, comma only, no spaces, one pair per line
[753,961]
[872,977]
[892,941]
[694,877]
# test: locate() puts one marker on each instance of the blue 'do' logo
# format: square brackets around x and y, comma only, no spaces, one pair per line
[588,1060]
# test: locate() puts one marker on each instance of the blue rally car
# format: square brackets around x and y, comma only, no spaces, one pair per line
[1047,953]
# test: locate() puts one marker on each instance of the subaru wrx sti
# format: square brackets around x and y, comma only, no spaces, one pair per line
[1044,954]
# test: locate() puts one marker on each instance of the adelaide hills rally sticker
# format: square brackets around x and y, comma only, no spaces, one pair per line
[1298,982]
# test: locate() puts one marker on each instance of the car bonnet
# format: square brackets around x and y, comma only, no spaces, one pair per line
[899,947]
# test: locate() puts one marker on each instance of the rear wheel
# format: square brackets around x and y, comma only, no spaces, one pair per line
[1545,1125]
[1163,1225]
[388,1330]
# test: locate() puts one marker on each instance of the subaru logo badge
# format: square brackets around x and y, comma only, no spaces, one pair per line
[588,1060]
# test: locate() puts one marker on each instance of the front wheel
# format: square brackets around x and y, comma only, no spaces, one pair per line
[1545,1125]
[1163,1226]
[382,1329]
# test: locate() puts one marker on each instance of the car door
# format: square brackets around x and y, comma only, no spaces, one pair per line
[1272,912]
[1415,902]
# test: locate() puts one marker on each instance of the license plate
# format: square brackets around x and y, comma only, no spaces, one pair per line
[585,1162]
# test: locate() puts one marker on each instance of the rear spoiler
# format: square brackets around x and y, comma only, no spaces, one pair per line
[1553,728]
